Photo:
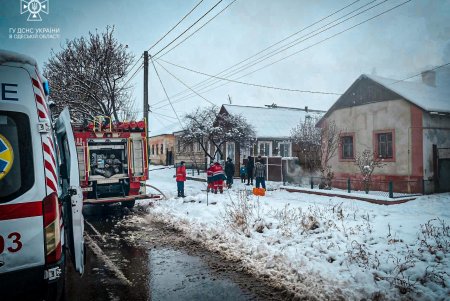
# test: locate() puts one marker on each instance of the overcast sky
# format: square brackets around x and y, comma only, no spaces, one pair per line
[398,44]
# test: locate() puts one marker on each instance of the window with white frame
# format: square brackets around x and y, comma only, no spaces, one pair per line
[264,148]
[285,149]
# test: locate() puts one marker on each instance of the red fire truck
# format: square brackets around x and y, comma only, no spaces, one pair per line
[112,160]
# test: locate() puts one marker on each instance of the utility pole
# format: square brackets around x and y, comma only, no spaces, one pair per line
[146,109]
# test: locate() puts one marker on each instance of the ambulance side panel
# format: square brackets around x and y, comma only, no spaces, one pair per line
[21,220]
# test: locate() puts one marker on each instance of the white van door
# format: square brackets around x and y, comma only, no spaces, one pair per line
[73,205]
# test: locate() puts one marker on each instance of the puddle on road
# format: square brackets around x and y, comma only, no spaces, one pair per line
[175,275]
[160,264]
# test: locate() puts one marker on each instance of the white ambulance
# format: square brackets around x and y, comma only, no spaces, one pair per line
[40,197]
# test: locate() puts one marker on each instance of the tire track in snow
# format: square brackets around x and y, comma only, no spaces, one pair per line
[108,263]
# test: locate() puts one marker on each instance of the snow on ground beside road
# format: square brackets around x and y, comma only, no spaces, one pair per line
[322,247]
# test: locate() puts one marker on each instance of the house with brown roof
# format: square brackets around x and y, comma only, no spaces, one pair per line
[406,124]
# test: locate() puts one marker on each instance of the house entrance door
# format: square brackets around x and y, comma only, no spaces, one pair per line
[444,175]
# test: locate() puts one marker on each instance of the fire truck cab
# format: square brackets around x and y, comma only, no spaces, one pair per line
[41,219]
[112,158]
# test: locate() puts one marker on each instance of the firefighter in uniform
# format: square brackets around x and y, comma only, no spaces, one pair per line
[181,178]
[218,177]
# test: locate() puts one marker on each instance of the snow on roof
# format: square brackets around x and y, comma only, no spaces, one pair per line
[429,98]
[170,129]
[272,122]
[14,57]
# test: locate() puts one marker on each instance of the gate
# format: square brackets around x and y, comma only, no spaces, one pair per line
[443,166]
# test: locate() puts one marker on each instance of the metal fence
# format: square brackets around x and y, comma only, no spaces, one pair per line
[391,189]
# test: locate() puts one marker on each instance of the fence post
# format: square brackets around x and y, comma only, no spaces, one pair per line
[391,189]
[311,181]
[348,186]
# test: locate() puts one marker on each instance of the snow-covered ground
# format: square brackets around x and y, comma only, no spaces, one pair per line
[319,247]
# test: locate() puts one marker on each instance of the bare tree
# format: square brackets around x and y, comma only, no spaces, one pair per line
[206,125]
[88,75]
[329,136]
[367,161]
[319,145]
[307,136]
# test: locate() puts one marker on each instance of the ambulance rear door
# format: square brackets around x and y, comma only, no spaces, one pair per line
[72,194]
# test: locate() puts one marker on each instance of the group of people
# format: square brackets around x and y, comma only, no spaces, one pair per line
[216,175]
[256,170]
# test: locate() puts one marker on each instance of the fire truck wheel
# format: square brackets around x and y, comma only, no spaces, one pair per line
[128,204]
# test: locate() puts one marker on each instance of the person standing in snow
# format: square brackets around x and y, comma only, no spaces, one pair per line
[260,173]
[181,178]
[209,178]
[243,173]
[229,172]
[250,166]
[218,177]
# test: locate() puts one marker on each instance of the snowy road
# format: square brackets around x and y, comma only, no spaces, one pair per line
[318,247]
[131,259]
[306,246]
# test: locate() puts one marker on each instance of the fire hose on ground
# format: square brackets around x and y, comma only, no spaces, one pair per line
[151,186]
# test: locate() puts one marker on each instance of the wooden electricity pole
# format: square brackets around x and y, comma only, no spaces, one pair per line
[146,106]
[146,109]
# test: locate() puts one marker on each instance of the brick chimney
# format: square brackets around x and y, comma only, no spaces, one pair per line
[429,78]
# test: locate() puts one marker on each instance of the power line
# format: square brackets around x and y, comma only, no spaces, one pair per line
[165,117]
[328,38]
[282,40]
[305,37]
[419,74]
[124,86]
[161,120]
[176,114]
[209,83]
[198,20]
[152,112]
[165,92]
[186,85]
[295,42]
[303,49]
[135,63]
[134,74]
[247,83]
[185,16]
[196,30]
